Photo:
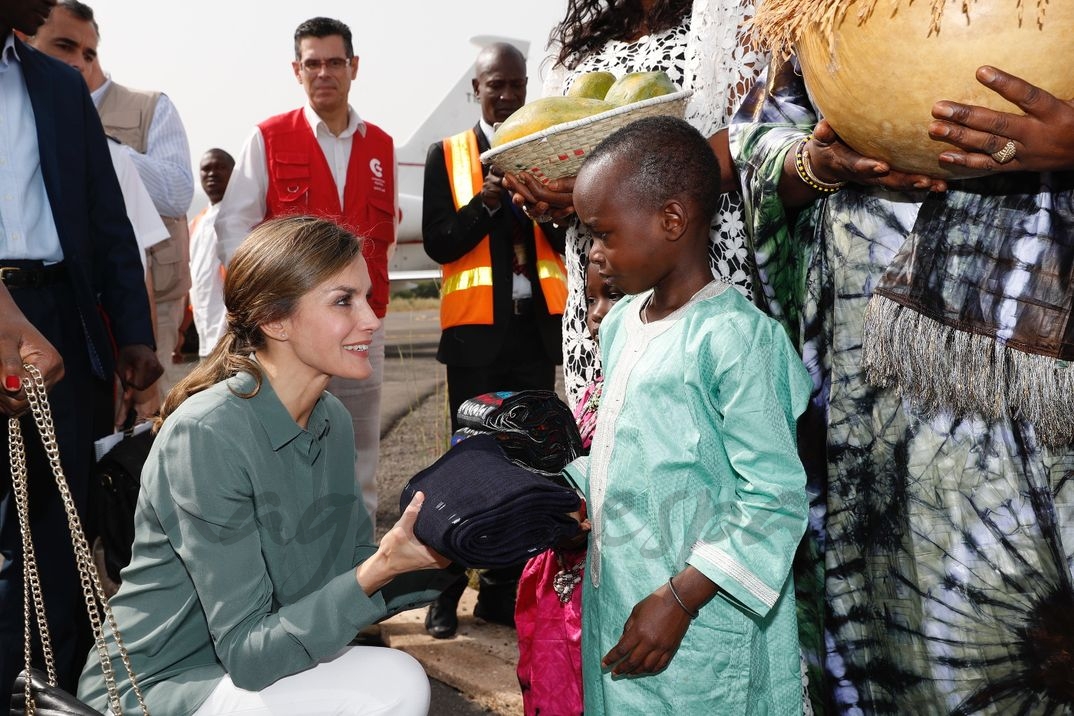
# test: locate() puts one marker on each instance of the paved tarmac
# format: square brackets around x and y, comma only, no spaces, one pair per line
[473,673]
[411,371]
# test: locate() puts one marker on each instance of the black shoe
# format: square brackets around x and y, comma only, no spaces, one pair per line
[440,621]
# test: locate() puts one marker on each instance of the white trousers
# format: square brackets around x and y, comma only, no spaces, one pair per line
[360,680]
[362,400]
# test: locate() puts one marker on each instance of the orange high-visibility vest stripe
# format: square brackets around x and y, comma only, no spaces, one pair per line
[551,273]
[466,288]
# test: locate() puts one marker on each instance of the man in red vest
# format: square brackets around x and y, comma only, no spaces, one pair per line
[325,160]
[503,288]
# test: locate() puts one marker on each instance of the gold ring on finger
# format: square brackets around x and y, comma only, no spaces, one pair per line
[1006,154]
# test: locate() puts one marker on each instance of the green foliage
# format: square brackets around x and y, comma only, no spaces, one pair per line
[418,289]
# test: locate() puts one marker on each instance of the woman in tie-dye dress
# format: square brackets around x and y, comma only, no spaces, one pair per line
[937,326]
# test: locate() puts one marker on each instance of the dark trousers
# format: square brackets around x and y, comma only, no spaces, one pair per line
[52,310]
[496,592]
[522,364]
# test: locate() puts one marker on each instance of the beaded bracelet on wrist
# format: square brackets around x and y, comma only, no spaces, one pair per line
[805,171]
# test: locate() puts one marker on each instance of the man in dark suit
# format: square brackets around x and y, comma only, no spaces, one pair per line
[503,287]
[68,258]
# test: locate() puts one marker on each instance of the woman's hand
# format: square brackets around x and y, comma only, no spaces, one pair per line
[1043,138]
[651,635]
[541,202]
[832,161]
[399,552]
[21,343]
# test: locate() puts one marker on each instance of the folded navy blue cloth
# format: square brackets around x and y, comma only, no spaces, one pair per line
[482,510]
[534,427]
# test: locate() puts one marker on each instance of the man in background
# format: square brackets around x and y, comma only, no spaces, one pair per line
[324,159]
[67,252]
[206,258]
[75,42]
[152,134]
[502,333]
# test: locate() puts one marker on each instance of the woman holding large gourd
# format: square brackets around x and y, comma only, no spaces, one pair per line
[701,45]
[934,312]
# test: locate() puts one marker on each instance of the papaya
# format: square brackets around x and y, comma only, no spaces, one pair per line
[543,113]
[636,86]
[591,84]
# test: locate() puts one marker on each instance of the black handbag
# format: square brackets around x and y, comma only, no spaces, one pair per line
[36,692]
[113,495]
[48,700]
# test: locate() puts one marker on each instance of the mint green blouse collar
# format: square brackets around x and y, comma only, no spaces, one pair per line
[280,427]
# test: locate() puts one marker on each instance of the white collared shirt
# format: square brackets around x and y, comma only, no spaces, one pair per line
[486,129]
[149,230]
[27,227]
[165,166]
[206,281]
[243,206]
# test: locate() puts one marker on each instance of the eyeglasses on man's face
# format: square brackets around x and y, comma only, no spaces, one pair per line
[333,64]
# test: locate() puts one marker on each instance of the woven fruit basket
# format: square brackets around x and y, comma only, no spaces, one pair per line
[558,151]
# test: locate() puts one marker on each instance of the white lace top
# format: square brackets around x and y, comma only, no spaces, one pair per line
[711,54]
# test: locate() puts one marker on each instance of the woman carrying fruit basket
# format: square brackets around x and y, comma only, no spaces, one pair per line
[935,316]
[701,45]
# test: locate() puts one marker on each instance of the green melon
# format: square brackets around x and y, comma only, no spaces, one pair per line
[593,85]
[637,86]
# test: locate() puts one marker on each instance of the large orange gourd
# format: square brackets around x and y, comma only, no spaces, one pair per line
[874,68]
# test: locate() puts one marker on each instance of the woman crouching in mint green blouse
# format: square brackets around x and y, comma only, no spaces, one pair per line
[252,565]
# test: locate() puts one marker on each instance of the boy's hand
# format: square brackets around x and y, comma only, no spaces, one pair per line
[541,202]
[651,635]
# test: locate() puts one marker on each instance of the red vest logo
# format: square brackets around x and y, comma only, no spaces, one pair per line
[376,168]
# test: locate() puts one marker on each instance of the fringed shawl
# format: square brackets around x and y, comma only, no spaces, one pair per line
[976,312]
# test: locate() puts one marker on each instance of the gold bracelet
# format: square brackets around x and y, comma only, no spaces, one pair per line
[693,613]
[805,171]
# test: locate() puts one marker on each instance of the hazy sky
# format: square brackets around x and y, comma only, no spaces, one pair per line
[226,63]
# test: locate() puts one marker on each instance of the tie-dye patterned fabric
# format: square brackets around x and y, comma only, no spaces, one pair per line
[937,573]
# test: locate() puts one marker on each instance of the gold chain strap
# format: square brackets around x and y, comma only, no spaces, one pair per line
[91,583]
[31,582]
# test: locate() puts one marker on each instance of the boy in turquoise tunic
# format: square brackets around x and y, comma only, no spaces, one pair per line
[694,486]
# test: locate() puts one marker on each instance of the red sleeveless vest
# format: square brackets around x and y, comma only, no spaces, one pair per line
[300,182]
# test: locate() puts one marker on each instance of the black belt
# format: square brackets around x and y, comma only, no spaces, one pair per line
[20,273]
[522,306]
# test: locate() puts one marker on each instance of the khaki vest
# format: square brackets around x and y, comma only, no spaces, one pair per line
[126,115]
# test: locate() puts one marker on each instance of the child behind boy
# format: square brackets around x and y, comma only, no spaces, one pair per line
[549,605]
[695,491]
